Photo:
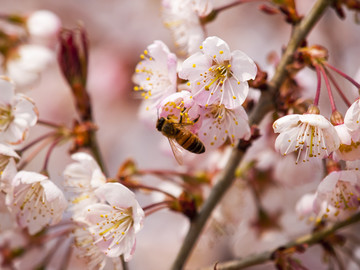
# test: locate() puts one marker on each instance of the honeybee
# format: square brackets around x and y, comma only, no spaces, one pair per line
[179,135]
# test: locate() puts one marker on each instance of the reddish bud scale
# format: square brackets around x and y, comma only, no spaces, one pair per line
[73,61]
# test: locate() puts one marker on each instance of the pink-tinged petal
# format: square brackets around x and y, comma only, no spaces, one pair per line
[305,206]
[352,117]
[235,93]
[203,7]
[25,177]
[343,133]
[242,66]
[286,141]
[7,151]
[116,194]
[217,49]
[52,193]
[353,165]
[316,120]
[159,51]
[93,212]
[195,65]
[7,91]
[286,122]
[25,110]
[329,182]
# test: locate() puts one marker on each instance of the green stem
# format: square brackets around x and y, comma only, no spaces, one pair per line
[265,104]
[309,240]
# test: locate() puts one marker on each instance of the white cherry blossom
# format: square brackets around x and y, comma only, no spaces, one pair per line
[348,149]
[352,120]
[182,17]
[82,178]
[114,225]
[312,135]
[35,201]
[89,253]
[27,62]
[217,75]
[340,190]
[220,124]
[43,26]
[17,114]
[155,76]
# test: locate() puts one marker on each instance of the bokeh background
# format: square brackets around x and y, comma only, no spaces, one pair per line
[119,30]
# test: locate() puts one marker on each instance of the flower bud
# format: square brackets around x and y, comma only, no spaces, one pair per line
[73,61]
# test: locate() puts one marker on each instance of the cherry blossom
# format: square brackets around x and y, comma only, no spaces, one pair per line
[86,251]
[43,26]
[82,178]
[17,114]
[182,17]
[27,62]
[352,120]
[155,76]
[114,225]
[217,75]
[340,190]
[348,149]
[312,135]
[221,124]
[35,201]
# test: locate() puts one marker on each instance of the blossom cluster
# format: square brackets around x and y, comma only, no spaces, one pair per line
[105,216]
[209,102]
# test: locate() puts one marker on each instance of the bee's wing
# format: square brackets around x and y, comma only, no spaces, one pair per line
[177,151]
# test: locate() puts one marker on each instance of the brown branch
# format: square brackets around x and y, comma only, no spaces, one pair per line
[309,239]
[265,104]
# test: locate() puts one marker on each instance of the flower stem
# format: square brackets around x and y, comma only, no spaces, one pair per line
[318,88]
[156,206]
[26,161]
[307,240]
[48,123]
[47,157]
[328,87]
[37,140]
[265,104]
[338,89]
[357,85]
[140,186]
[235,3]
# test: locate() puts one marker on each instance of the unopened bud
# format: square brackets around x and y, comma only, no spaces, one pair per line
[73,61]
[313,110]
[336,118]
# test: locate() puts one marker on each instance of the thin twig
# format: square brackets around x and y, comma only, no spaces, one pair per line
[265,104]
[309,240]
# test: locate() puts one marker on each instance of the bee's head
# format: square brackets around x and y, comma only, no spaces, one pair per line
[160,122]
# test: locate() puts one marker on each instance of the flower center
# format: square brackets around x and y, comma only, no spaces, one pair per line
[5,117]
[346,196]
[115,225]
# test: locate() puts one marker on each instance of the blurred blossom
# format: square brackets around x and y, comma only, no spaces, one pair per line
[35,201]
[25,64]
[82,178]
[156,78]
[43,27]
[91,254]
[340,190]
[182,17]
[17,114]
